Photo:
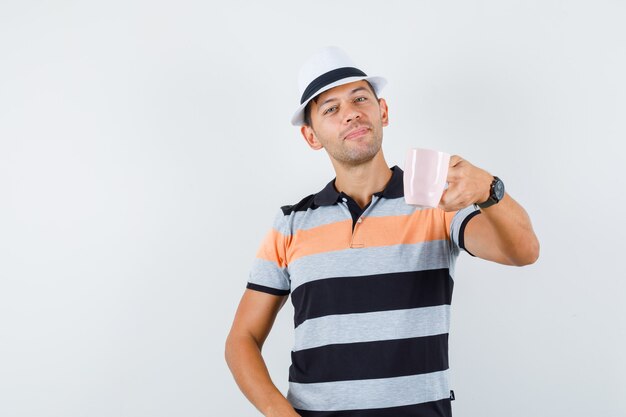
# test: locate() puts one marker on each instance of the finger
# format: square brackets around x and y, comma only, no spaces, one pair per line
[442,201]
[447,207]
[455,160]
[454,198]
[455,173]
[456,168]
[448,200]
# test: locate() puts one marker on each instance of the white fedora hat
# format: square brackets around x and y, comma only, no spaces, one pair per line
[328,68]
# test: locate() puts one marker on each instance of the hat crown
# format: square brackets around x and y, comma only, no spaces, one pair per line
[328,68]
[325,60]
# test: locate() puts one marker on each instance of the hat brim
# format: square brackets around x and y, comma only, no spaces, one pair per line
[377,82]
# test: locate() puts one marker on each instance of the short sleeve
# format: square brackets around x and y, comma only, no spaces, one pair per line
[269,272]
[456,222]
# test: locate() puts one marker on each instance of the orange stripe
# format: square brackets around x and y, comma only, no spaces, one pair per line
[325,238]
[273,248]
[421,226]
[448,216]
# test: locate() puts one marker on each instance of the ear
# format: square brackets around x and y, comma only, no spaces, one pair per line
[384,111]
[311,139]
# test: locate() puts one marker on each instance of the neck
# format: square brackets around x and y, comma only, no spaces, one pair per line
[363,180]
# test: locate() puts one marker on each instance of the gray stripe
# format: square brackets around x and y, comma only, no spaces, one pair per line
[392,207]
[457,221]
[319,217]
[282,223]
[368,327]
[268,274]
[370,261]
[304,220]
[369,393]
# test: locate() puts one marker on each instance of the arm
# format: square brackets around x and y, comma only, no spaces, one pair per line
[501,233]
[253,321]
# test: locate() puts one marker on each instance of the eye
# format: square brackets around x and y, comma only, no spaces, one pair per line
[330,109]
[360,99]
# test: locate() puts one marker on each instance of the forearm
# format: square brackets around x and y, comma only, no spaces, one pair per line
[244,359]
[513,231]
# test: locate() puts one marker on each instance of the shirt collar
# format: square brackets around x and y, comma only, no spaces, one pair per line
[394,189]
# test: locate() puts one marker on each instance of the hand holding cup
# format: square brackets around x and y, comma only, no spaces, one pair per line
[467,184]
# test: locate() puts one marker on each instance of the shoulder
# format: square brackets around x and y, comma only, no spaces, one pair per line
[287,218]
[305,204]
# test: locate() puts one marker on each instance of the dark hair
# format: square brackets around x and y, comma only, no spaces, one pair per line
[307,109]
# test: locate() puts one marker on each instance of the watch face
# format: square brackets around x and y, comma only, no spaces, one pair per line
[499,189]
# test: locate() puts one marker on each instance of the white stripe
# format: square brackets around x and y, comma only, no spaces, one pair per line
[368,327]
[370,393]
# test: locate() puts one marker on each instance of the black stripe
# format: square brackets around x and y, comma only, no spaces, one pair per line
[328,78]
[269,290]
[371,293]
[441,408]
[370,360]
[462,230]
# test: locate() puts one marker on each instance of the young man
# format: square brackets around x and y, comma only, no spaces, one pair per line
[370,277]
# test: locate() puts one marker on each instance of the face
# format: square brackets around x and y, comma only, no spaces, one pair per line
[348,122]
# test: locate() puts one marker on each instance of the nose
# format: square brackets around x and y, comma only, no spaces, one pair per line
[351,113]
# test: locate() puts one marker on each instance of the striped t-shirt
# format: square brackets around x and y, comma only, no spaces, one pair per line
[371,302]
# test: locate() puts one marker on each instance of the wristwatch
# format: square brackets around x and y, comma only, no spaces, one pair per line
[496,193]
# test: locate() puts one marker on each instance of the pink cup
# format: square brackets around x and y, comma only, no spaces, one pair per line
[425,174]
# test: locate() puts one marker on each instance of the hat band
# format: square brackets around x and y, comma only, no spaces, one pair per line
[328,78]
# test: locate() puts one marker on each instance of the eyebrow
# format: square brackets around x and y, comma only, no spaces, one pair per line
[356,90]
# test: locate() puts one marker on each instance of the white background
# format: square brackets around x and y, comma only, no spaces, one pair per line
[145,148]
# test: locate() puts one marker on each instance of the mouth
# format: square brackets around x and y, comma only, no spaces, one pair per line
[357,133]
